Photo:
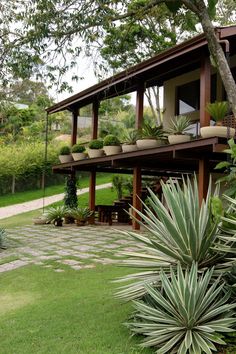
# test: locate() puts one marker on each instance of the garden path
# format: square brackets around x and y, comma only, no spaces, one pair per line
[60,248]
[15,209]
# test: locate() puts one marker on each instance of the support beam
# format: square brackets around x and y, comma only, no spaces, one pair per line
[95,109]
[137,187]
[139,106]
[74,127]
[92,194]
[203,179]
[205,90]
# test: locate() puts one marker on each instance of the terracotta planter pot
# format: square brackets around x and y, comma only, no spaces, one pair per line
[65,158]
[148,143]
[178,138]
[216,130]
[95,153]
[129,147]
[112,150]
[78,156]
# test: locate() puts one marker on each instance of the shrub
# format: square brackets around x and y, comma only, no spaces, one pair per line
[179,231]
[77,148]
[150,132]
[65,150]
[70,198]
[179,124]
[111,140]
[187,315]
[96,144]
[55,215]
[217,110]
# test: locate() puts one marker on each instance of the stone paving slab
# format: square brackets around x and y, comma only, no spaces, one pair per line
[69,246]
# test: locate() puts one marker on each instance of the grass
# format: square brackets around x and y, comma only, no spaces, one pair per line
[103,196]
[63,313]
[21,197]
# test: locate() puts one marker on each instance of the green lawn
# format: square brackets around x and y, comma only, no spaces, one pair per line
[44,312]
[21,197]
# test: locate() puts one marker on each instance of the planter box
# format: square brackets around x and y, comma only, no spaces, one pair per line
[65,158]
[129,147]
[178,138]
[78,156]
[220,131]
[148,143]
[112,150]
[95,153]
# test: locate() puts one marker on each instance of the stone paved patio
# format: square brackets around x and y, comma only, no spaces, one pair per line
[58,248]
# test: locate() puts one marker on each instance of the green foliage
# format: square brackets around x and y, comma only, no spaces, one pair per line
[55,215]
[187,315]
[70,198]
[2,238]
[130,137]
[81,214]
[96,144]
[229,167]
[111,140]
[78,148]
[179,124]
[65,150]
[118,182]
[217,110]
[179,231]
[151,132]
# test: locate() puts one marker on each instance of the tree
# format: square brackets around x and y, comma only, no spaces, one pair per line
[36,32]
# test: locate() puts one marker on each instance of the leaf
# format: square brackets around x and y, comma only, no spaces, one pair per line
[222,164]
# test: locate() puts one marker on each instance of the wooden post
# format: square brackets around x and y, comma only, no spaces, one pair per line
[205,90]
[95,109]
[74,127]
[92,181]
[139,106]
[137,190]
[203,179]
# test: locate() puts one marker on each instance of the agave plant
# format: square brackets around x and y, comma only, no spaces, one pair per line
[55,215]
[151,132]
[187,316]
[179,124]
[179,231]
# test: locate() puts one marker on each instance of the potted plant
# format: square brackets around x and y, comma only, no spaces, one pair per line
[65,155]
[129,141]
[78,152]
[81,215]
[55,215]
[111,145]
[95,148]
[217,110]
[150,136]
[68,216]
[177,130]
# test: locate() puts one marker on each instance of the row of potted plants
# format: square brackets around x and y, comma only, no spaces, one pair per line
[59,214]
[151,136]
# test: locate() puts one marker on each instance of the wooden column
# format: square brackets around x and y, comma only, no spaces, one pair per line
[92,181]
[205,90]
[95,109]
[139,106]
[203,179]
[74,127]
[137,176]
[137,188]
[205,97]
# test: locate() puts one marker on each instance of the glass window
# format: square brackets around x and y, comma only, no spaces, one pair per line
[188,97]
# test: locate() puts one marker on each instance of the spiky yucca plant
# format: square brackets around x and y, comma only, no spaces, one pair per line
[179,231]
[179,124]
[186,316]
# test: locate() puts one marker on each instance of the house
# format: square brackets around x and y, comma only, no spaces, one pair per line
[190,81]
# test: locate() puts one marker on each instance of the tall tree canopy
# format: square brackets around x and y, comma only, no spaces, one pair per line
[49,35]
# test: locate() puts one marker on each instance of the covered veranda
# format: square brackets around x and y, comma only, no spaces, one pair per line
[199,155]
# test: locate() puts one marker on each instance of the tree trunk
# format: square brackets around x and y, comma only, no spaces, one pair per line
[155,110]
[217,54]
[13,184]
